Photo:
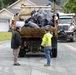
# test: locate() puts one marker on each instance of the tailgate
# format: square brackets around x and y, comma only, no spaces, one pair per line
[36,32]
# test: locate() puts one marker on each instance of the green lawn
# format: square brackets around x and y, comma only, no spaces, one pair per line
[5,36]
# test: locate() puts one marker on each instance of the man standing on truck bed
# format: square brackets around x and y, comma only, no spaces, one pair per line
[46,43]
[16,44]
[13,20]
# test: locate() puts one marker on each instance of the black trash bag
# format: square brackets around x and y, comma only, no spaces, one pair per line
[42,11]
[58,15]
[34,16]
[33,12]
[26,21]
[51,23]
[34,25]
[41,19]
[52,20]
[31,19]
[26,25]
[49,16]
[21,19]
[44,22]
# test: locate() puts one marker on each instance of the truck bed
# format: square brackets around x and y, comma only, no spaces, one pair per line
[36,32]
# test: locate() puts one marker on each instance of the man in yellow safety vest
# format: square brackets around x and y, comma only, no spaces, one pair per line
[47,44]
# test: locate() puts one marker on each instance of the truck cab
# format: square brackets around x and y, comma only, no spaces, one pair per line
[66,28]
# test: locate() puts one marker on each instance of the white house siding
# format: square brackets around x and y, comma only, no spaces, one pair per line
[5,13]
[4,22]
[18,5]
[4,25]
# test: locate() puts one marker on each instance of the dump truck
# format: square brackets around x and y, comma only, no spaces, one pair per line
[32,37]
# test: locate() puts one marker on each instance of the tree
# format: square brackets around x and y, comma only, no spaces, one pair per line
[1,4]
[6,3]
[13,1]
[70,6]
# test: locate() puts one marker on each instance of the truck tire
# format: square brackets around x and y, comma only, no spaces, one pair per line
[54,53]
[72,40]
[22,53]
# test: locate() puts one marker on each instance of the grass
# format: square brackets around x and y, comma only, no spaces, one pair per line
[5,36]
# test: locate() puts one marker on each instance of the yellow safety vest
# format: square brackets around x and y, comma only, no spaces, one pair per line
[46,40]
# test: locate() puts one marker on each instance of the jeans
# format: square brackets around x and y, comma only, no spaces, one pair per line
[47,51]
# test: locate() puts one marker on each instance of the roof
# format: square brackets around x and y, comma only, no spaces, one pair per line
[18,2]
[14,3]
[6,10]
[56,6]
[45,2]
[35,2]
[14,11]
[11,11]
[38,2]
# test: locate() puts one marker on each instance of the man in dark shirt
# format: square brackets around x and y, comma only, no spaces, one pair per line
[16,44]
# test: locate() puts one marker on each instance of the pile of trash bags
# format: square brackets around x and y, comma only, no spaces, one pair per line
[40,19]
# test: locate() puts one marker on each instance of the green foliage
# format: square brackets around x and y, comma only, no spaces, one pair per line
[1,4]
[6,3]
[70,6]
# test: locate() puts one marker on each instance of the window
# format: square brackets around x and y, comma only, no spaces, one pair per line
[65,20]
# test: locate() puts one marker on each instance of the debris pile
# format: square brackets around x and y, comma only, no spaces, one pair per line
[40,19]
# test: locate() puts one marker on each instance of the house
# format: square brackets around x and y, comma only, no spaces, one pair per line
[5,17]
[15,8]
[4,23]
[17,4]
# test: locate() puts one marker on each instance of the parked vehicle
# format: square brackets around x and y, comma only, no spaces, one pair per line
[66,28]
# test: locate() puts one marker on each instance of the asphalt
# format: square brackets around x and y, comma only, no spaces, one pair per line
[64,64]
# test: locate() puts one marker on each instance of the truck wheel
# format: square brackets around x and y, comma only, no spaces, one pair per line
[22,53]
[54,53]
[73,40]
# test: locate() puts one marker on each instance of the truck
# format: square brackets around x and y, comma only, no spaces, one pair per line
[67,27]
[32,37]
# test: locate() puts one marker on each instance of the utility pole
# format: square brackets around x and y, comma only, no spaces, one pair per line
[54,5]
[54,13]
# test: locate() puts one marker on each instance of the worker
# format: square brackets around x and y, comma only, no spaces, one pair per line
[71,26]
[47,44]
[12,22]
[16,44]
[22,3]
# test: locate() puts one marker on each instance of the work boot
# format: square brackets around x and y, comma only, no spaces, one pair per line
[46,65]
[16,64]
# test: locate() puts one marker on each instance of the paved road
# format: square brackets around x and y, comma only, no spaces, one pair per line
[64,64]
